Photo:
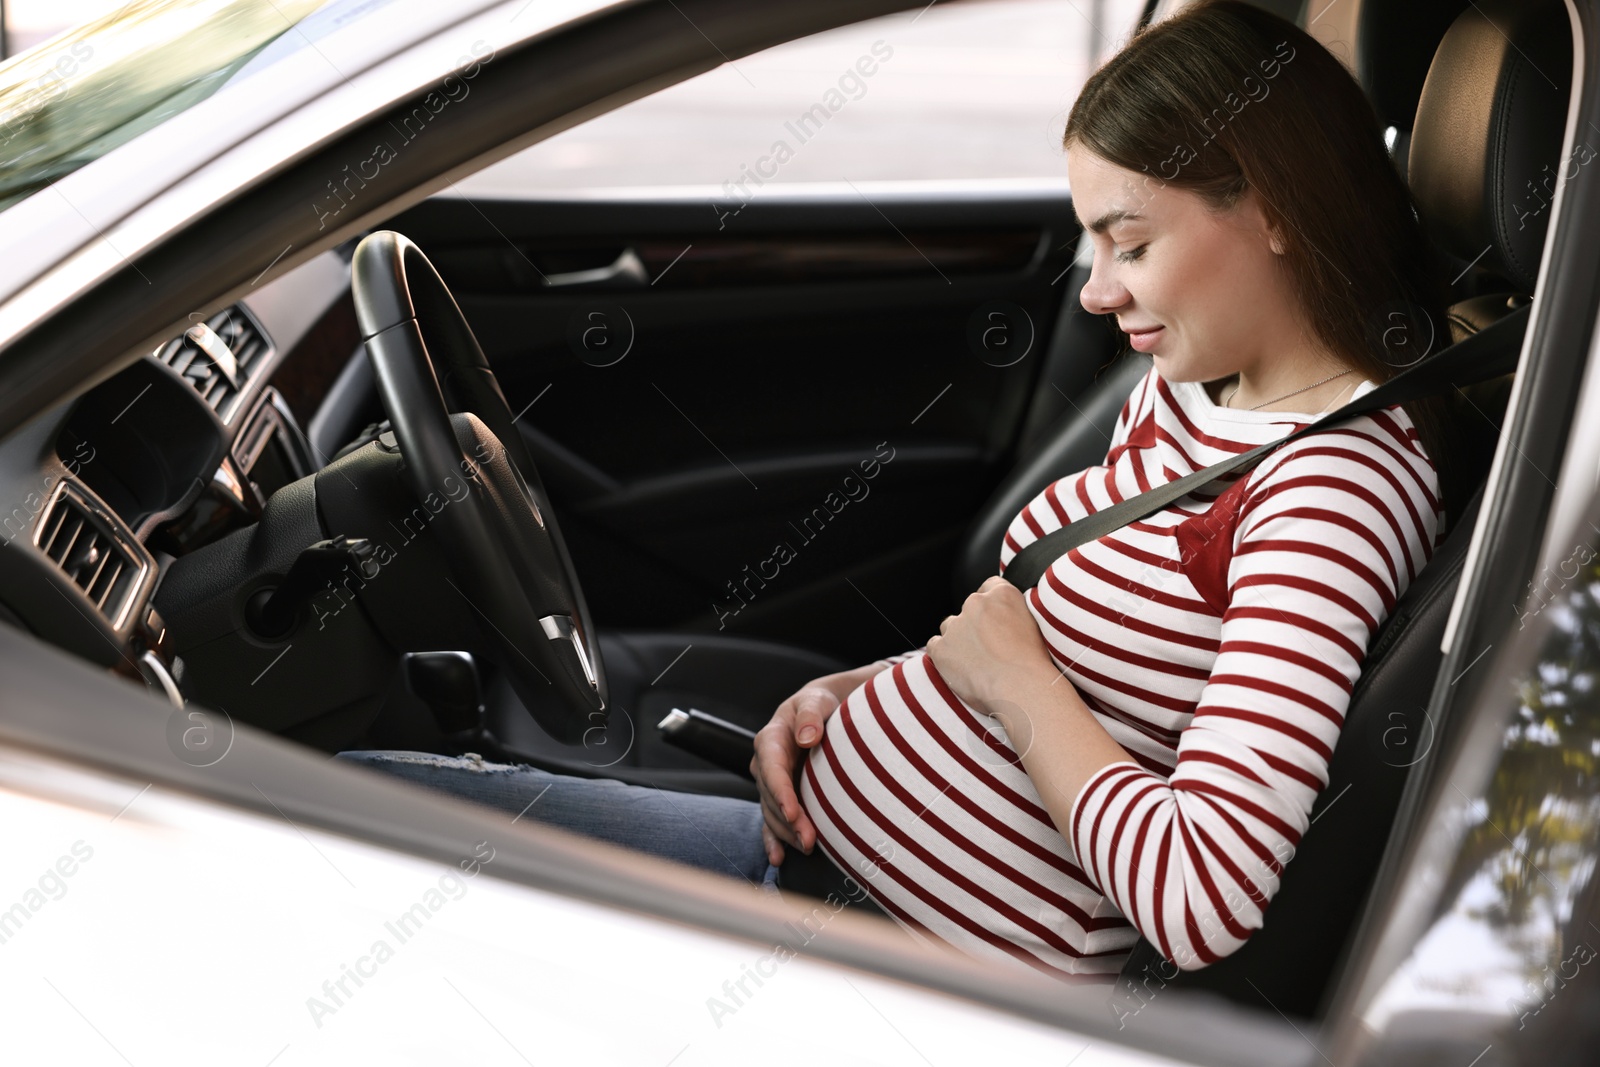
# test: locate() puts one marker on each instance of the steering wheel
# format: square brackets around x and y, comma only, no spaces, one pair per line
[493,516]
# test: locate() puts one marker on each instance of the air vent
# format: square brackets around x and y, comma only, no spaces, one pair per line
[219,357]
[81,540]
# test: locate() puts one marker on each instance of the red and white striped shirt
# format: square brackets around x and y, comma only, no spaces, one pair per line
[1217,641]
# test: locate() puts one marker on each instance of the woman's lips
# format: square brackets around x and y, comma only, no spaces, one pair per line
[1145,340]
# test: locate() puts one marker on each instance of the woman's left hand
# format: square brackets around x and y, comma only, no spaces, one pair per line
[985,653]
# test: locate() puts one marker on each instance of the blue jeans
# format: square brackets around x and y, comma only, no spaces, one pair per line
[721,834]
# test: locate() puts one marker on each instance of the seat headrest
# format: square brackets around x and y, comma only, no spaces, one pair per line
[1484,163]
[1395,44]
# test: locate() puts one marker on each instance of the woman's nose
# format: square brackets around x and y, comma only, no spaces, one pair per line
[1102,293]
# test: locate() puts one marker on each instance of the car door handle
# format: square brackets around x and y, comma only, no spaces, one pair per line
[627,271]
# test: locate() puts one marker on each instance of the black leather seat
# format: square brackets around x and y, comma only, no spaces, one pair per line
[1490,117]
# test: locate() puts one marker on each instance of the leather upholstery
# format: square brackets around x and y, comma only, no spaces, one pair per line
[1468,317]
[1078,439]
[1394,48]
[1082,346]
[1485,153]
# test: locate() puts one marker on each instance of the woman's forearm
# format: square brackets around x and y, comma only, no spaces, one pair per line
[1061,743]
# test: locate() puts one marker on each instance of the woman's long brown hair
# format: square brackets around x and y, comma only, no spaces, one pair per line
[1225,97]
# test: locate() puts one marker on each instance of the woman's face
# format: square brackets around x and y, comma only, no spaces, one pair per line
[1202,291]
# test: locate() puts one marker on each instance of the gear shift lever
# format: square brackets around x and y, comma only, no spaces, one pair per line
[448,683]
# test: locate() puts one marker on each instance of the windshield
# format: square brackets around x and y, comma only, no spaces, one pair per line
[70,100]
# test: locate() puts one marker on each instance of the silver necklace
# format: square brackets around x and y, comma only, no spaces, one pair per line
[1285,396]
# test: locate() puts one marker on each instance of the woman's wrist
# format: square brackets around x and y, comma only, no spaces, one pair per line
[1032,690]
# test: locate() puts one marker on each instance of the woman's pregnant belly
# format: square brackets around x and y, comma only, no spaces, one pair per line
[924,801]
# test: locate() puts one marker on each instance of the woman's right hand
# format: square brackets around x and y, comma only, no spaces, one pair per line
[780,746]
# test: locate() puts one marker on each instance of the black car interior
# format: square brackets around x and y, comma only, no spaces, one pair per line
[306,582]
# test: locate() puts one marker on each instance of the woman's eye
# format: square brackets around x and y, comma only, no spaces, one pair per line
[1130,255]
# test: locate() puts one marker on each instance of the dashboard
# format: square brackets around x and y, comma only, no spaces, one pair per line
[100,496]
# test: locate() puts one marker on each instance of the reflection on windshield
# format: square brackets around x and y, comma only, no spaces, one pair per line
[72,99]
[1508,937]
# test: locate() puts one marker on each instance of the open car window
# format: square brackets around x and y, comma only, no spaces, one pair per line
[975,90]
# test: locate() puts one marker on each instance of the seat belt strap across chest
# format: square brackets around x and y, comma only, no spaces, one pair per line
[1487,354]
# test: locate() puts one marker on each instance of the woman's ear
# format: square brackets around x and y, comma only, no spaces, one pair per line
[1251,204]
[1273,231]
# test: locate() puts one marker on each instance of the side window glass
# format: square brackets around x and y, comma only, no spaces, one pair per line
[972,90]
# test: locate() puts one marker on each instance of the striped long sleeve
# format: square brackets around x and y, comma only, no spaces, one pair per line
[1327,538]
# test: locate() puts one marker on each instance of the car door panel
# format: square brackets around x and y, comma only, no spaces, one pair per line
[734,408]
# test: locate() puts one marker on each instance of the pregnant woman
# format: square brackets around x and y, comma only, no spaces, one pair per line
[1132,746]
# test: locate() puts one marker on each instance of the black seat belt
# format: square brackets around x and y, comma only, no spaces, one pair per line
[1487,354]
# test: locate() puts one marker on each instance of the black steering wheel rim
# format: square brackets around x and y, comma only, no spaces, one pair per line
[500,535]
